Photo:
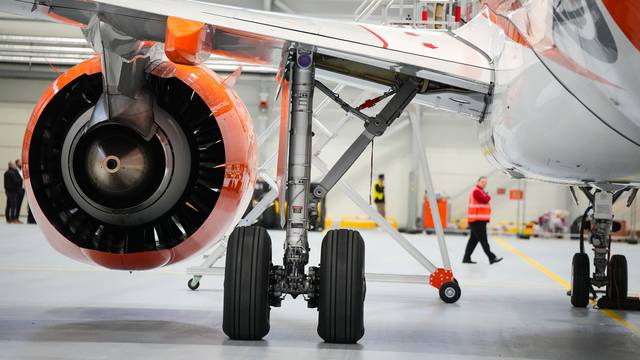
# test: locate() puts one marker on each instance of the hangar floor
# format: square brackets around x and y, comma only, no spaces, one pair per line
[54,308]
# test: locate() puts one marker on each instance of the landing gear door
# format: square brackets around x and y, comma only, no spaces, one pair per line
[283,148]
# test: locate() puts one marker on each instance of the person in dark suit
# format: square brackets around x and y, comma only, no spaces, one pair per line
[18,163]
[12,187]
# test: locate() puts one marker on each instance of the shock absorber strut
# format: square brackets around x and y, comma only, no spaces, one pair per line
[296,255]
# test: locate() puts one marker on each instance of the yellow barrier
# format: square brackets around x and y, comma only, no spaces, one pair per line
[351,222]
[328,222]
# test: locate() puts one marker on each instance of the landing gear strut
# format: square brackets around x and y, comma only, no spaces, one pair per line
[610,271]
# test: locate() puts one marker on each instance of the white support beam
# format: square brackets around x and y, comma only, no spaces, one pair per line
[263,204]
[414,118]
[198,272]
[377,218]
[284,7]
[323,104]
[268,132]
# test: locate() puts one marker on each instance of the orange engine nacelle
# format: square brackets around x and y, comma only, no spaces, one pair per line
[107,195]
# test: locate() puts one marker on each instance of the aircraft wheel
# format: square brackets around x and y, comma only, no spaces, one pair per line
[342,287]
[580,280]
[270,218]
[617,274]
[246,307]
[450,292]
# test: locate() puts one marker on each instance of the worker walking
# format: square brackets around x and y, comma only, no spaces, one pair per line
[478,215]
[378,194]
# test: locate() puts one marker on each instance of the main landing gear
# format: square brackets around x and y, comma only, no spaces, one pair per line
[337,286]
[610,271]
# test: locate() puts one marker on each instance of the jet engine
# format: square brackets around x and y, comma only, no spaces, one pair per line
[106,194]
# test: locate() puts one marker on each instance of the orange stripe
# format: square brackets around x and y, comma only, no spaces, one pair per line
[496,15]
[384,42]
[626,14]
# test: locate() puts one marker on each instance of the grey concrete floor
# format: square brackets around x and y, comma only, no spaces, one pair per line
[55,308]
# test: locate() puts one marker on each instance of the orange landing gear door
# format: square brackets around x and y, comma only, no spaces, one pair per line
[283,148]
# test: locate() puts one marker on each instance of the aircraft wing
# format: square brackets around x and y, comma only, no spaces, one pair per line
[358,52]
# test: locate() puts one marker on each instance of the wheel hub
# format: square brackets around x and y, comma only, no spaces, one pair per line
[450,293]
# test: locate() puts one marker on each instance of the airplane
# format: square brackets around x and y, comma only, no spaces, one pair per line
[141,157]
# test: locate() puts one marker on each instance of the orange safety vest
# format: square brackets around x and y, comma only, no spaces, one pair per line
[477,211]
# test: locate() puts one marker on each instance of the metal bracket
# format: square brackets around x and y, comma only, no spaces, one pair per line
[439,277]
[263,204]
[125,62]
[573,194]
[374,126]
[632,197]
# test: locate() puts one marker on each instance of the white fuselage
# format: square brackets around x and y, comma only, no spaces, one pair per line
[565,104]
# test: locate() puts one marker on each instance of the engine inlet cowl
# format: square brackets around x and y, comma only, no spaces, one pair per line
[105,194]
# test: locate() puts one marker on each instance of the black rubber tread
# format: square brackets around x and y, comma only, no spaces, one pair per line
[246,307]
[342,287]
[270,218]
[580,280]
[193,285]
[617,276]
[453,285]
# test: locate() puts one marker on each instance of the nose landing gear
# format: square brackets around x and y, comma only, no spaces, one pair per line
[610,271]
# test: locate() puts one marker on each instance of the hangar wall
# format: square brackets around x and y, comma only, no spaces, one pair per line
[17,100]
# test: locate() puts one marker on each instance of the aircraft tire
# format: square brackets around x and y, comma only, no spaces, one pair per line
[580,281]
[617,275]
[342,287]
[246,307]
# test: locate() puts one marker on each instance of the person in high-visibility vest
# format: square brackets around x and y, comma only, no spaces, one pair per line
[478,215]
[378,194]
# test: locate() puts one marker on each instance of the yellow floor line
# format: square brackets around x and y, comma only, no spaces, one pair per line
[535,264]
[564,283]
